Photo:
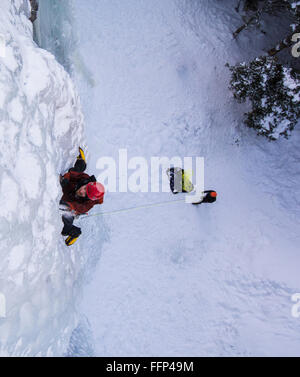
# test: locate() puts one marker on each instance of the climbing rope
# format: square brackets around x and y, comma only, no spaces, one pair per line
[133,208]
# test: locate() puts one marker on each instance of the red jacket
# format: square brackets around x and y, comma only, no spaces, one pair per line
[71,182]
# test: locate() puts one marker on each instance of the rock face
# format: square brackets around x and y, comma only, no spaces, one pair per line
[34,10]
[41,126]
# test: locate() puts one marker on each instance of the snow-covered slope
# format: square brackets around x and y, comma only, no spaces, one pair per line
[40,128]
[182,280]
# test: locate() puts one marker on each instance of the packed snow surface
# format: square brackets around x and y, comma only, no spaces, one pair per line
[181,280]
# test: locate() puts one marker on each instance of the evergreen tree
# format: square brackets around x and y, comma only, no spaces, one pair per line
[274,93]
[255,9]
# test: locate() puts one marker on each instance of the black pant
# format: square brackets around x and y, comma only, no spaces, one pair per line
[68,219]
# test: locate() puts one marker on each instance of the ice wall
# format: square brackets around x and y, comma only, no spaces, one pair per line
[41,126]
[53,30]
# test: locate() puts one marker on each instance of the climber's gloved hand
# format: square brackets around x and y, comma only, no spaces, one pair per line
[63,181]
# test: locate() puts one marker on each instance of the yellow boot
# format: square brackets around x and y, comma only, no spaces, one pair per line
[71,240]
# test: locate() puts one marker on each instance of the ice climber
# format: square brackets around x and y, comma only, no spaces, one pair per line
[80,193]
[180,182]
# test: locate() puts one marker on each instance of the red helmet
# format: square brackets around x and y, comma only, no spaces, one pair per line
[95,190]
[213,194]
